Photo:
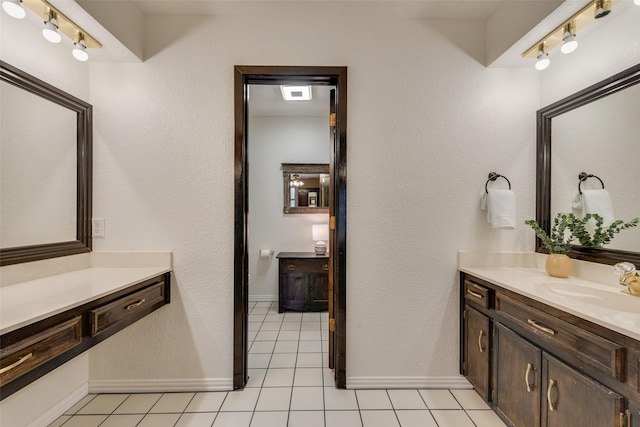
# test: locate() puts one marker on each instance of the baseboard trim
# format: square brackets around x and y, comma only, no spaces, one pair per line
[60,408]
[263,298]
[160,386]
[457,382]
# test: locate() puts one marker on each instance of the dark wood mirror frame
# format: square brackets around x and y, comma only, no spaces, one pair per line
[82,244]
[611,85]
[301,168]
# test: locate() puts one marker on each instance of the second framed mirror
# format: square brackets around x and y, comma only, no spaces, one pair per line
[305,188]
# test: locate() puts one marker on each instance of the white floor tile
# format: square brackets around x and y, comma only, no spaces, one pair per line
[270,419]
[469,399]
[251,335]
[256,318]
[103,404]
[159,420]
[439,399]
[256,377]
[254,327]
[201,419]
[292,315]
[379,419]
[283,360]
[373,399]
[206,402]
[335,399]
[310,347]
[290,326]
[138,403]
[266,304]
[258,361]
[279,378]
[406,399]
[274,399]
[270,326]
[63,419]
[309,360]
[274,317]
[81,403]
[343,419]
[452,418]
[307,399]
[172,403]
[233,419]
[238,401]
[305,377]
[267,335]
[310,326]
[286,347]
[416,418]
[328,377]
[485,418]
[306,419]
[85,421]
[262,347]
[310,335]
[311,316]
[259,310]
[289,335]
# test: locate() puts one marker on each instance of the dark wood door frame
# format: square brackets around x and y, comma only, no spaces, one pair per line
[243,77]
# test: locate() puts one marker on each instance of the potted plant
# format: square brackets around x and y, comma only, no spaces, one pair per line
[557,242]
[601,235]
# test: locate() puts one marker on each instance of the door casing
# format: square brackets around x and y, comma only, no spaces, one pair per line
[273,75]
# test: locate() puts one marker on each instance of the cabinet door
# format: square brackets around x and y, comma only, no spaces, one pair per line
[293,291]
[318,291]
[476,351]
[517,378]
[572,399]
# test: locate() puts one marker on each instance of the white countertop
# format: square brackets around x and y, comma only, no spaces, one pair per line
[27,302]
[602,304]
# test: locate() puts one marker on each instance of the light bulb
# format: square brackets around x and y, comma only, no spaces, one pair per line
[80,51]
[569,43]
[543,61]
[50,31]
[14,9]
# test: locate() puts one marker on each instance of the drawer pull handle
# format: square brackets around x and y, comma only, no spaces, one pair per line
[17,363]
[526,377]
[480,346]
[541,327]
[552,405]
[325,267]
[135,304]
[625,419]
[291,267]
[474,294]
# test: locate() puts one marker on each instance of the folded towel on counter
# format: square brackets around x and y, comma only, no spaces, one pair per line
[598,202]
[501,209]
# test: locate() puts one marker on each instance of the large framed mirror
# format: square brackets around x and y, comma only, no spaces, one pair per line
[45,167]
[595,131]
[305,188]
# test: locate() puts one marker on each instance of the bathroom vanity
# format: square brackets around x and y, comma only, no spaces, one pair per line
[551,352]
[50,320]
[304,281]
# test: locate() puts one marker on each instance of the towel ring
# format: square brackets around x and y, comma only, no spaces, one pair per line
[492,177]
[584,176]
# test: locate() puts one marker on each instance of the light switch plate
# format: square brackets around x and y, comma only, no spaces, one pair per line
[97,227]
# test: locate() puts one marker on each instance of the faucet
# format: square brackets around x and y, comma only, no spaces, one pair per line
[629,277]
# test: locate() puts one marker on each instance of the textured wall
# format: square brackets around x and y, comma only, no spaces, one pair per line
[273,141]
[427,123]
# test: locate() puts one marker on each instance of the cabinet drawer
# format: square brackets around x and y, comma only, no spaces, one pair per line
[126,308]
[478,294]
[304,265]
[32,351]
[569,342]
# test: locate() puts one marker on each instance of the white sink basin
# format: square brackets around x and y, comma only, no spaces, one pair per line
[612,298]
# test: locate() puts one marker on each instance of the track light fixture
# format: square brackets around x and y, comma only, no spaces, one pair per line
[543,58]
[569,42]
[565,33]
[14,8]
[55,25]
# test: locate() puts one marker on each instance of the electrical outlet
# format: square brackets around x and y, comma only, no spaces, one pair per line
[97,227]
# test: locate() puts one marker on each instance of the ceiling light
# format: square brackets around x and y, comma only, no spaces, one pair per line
[543,58]
[50,31]
[296,93]
[80,49]
[603,8]
[14,9]
[296,181]
[637,2]
[569,42]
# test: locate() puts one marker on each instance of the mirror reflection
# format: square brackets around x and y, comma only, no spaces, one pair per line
[306,188]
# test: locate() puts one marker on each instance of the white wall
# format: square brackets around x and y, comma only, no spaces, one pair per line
[273,141]
[24,47]
[426,123]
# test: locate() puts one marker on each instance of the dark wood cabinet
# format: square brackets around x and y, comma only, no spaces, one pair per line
[304,281]
[543,367]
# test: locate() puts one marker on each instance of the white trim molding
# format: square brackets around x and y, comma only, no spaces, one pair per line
[160,386]
[262,298]
[457,382]
[60,408]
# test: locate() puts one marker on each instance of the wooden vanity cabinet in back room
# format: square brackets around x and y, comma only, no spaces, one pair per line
[304,281]
[540,366]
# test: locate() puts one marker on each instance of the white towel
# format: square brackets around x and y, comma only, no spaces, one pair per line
[501,209]
[598,202]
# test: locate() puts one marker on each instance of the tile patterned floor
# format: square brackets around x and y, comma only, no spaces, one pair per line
[289,386]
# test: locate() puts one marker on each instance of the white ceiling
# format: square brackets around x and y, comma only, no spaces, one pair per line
[266,100]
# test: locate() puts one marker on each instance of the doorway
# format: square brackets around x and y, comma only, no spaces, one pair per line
[276,75]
